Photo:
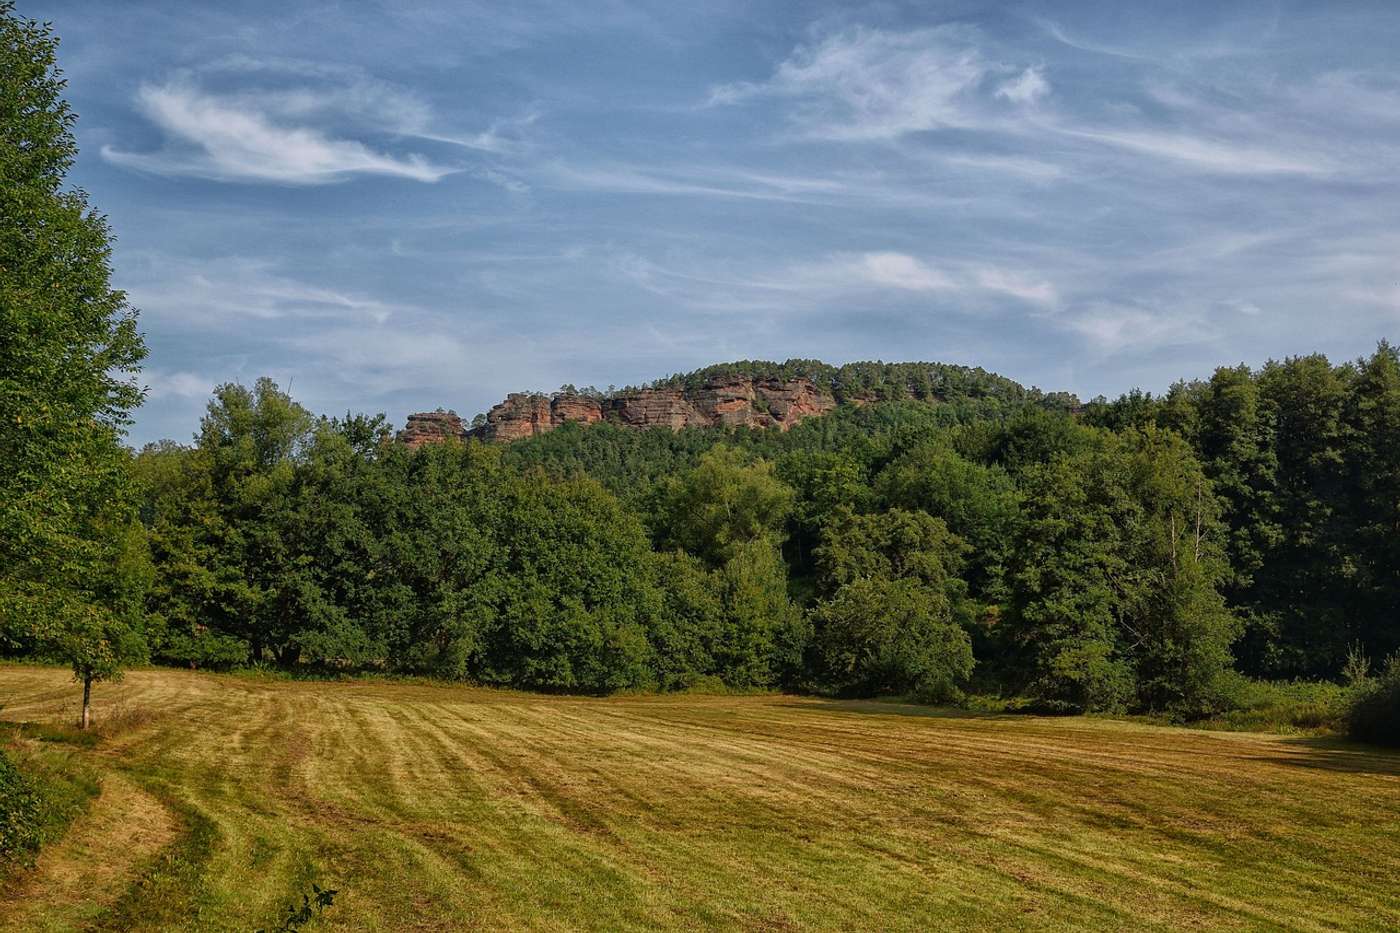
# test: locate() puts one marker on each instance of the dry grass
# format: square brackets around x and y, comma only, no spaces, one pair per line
[449,808]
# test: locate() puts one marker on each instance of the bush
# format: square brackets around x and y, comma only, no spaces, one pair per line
[1373,714]
[43,787]
[1278,706]
[20,816]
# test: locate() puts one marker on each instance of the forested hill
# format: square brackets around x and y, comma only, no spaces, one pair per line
[866,380]
[748,393]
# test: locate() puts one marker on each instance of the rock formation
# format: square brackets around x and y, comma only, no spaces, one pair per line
[431,426]
[729,401]
[525,415]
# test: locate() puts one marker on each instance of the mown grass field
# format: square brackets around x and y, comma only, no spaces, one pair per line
[451,808]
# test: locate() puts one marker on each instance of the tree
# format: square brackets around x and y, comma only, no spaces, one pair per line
[1372,418]
[1115,587]
[978,503]
[1301,624]
[572,600]
[68,359]
[892,545]
[723,504]
[891,637]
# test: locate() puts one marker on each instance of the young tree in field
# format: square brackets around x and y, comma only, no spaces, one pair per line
[69,353]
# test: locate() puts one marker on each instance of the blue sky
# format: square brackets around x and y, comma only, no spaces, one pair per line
[394,206]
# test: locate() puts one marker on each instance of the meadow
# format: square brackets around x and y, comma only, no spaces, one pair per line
[223,798]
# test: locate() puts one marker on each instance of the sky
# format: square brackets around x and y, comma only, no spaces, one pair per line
[393,207]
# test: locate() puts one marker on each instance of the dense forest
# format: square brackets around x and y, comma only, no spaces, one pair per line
[1135,554]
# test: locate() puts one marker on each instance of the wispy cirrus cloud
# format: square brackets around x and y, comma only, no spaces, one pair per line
[250,137]
[871,84]
[233,288]
[833,280]
[1111,328]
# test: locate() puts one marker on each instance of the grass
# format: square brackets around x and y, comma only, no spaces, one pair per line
[434,807]
[58,784]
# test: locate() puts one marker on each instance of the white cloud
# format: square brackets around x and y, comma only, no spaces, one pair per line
[897,270]
[165,384]
[1026,88]
[236,287]
[870,84]
[1017,284]
[240,138]
[1214,155]
[1111,328]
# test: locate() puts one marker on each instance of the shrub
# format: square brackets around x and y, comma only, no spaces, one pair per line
[21,817]
[1278,706]
[43,787]
[1374,712]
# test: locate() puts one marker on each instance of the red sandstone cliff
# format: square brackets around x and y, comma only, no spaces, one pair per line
[727,402]
[431,426]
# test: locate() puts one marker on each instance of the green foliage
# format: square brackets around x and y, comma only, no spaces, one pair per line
[722,505]
[312,905]
[571,599]
[880,636]
[20,835]
[1373,714]
[70,558]
[1304,707]
[1115,595]
[979,504]
[41,791]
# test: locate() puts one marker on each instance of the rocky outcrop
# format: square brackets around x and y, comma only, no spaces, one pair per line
[581,408]
[525,415]
[431,426]
[730,401]
[733,401]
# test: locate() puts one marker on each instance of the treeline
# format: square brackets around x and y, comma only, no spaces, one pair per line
[878,381]
[1138,557]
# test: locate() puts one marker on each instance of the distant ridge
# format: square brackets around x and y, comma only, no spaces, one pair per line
[750,393]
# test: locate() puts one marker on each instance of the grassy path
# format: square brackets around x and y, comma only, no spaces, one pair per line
[439,808]
[84,874]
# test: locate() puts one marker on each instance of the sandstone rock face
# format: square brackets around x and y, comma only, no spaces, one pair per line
[789,402]
[733,401]
[520,415]
[564,408]
[525,415]
[650,408]
[430,427]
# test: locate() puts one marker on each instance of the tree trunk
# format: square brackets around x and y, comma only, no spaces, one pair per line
[87,702]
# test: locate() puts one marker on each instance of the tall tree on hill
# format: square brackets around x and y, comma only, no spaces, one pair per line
[69,353]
